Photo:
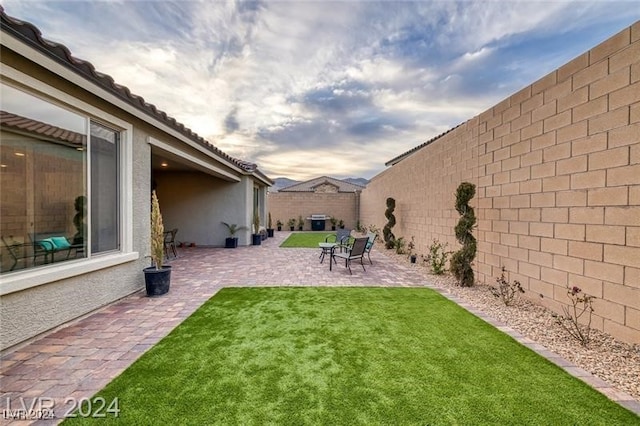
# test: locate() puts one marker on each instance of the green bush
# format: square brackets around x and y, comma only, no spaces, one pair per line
[462,259]
[438,257]
[389,238]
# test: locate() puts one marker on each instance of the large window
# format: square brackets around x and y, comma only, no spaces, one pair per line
[59,184]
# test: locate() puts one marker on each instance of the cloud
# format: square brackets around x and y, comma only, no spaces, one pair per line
[356,83]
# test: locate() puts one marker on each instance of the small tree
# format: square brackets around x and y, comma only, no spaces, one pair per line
[389,238]
[256,223]
[462,259]
[157,232]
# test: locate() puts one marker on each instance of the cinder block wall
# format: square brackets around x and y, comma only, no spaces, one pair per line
[557,169]
[290,205]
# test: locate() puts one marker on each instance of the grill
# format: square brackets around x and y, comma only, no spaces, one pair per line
[318,221]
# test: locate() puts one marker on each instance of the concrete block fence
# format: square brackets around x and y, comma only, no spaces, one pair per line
[557,170]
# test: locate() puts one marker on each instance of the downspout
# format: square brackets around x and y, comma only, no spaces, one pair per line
[357,191]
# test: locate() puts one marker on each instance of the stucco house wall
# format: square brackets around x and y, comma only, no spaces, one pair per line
[37,299]
[196,204]
[557,169]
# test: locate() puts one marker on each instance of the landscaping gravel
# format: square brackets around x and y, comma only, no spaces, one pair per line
[611,360]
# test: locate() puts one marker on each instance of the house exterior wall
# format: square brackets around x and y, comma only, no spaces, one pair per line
[197,203]
[289,205]
[557,170]
[28,313]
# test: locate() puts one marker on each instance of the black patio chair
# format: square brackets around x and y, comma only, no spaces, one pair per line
[341,238]
[355,252]
[170,242]
[371,238]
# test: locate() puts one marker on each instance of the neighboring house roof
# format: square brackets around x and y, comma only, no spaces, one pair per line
[32,36]
[311,185]
[401,157]
[21,124]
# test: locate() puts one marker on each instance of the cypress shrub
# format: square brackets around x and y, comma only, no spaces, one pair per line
[389,238]
[462,259]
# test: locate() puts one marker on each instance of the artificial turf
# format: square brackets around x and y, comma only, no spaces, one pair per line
[346,356]
[306,239]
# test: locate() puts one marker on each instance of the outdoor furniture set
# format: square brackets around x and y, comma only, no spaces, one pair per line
[345,247]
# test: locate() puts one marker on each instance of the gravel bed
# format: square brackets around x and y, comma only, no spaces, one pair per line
[616,362]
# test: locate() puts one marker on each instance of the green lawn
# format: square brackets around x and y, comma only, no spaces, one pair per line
[347,356]
[307,239]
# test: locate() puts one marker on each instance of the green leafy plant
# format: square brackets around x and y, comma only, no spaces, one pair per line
[399,245]
[462,259]
[437,258]
[389,238]
[291,223]
[506,291]
[341,224]
[300,223]
[233,228]
[157,233]
[279,223]
[577,317]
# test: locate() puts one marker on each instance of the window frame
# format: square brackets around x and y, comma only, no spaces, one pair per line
[28,278]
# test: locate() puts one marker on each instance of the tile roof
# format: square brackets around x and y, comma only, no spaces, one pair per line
[31,35]
[310,185]
[401,157]
[42,130]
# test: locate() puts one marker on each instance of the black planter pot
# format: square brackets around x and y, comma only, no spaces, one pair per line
[256,239]
[333,227]
[413,258]
[157,281]
[270,232]
[231,242]
[279,228]
[291,228]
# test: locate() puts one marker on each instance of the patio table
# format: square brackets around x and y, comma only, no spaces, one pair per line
[326,249]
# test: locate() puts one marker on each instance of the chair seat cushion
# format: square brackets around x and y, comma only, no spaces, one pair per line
[60,243]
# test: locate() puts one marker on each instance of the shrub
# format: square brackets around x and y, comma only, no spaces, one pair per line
[389,238]
[506,291]
[374,229]
[398,245]
[462,259]
[438,257]
[581,306]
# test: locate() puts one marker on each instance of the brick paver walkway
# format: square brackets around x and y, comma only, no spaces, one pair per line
[80,358]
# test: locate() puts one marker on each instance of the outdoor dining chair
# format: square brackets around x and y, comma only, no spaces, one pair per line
[355,252]
[371,238]
[170,242]
[340,238]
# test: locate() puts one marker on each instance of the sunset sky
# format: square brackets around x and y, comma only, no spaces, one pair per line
[311,88]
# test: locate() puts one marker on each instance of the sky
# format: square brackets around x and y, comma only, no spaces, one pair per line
[313,88]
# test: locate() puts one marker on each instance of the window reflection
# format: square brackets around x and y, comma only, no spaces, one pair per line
[43,157]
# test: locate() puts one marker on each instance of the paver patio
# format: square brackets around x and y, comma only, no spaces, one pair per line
[79,359]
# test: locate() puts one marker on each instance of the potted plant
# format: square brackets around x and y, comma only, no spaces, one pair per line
[270,227]
[232,241]
[341,224]
[300,223]
[256,238]
[292,224]
[157,277]
[279,225]
[334,222]
[411,246]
